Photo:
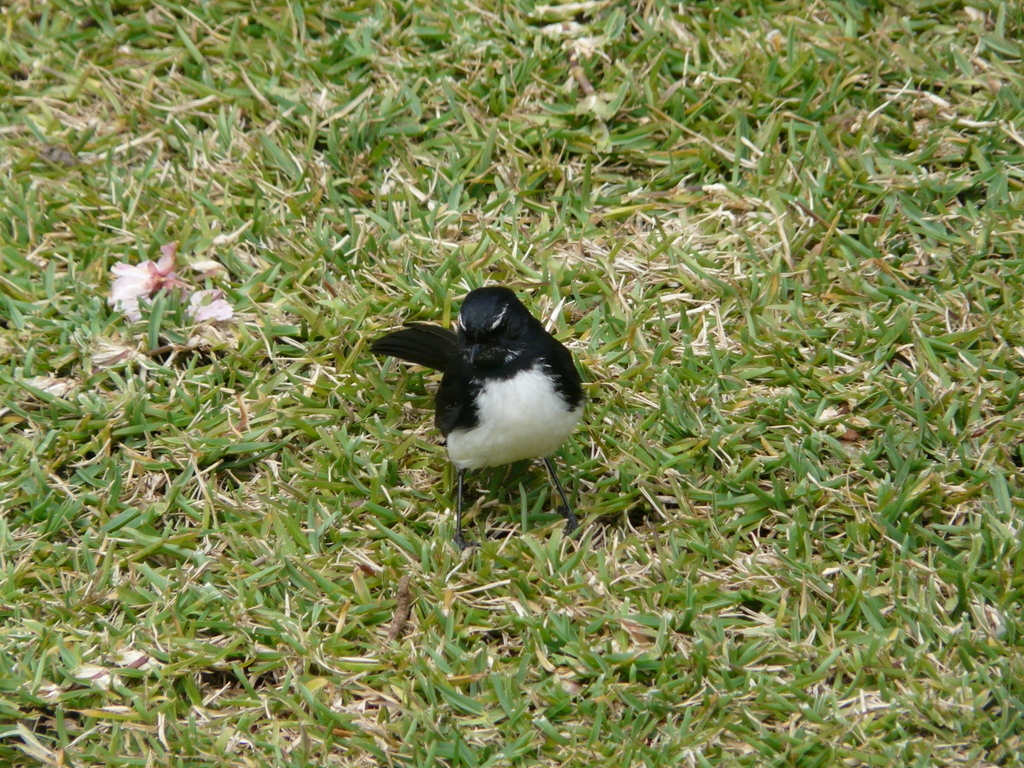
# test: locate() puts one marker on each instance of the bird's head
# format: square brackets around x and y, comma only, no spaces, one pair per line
[493,326]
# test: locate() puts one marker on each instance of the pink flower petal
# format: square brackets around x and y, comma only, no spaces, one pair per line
[164,267]
[124,269]
[130,307]
[210,305]
[141,281]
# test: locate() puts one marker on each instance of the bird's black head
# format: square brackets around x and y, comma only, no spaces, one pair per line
[494,325]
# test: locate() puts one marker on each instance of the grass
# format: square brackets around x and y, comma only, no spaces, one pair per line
[785,240]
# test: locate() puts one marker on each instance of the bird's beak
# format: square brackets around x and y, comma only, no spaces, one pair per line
[471,350]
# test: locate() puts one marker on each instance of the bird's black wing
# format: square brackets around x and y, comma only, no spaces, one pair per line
[454,403]
[421,343]
[560,363]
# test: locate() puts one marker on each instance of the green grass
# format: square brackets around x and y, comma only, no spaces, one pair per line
[785,240]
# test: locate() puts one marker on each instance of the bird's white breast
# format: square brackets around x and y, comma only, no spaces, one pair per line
[519,418]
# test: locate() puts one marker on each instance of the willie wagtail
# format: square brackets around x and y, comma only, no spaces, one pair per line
[510,390]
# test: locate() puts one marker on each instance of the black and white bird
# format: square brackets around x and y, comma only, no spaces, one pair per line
[510,390]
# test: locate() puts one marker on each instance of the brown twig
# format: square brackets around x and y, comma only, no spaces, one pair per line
[581,77]
[403,602]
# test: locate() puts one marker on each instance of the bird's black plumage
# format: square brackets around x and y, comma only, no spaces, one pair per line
[510,390]
[428,345]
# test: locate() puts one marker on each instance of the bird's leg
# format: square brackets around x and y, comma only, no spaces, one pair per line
[571,521]
[460,541]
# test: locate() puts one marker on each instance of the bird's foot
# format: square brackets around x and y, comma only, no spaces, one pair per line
[462,544]
[571,521]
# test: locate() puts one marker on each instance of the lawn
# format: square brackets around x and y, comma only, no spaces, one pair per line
[784,241]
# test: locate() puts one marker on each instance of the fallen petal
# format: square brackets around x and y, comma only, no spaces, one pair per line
[209,305]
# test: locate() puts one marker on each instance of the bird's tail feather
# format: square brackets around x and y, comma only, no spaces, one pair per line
[421,343]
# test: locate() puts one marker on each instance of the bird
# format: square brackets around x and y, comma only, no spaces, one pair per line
[509,390]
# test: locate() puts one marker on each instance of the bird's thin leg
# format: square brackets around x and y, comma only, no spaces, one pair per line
[460,541]
[571,521]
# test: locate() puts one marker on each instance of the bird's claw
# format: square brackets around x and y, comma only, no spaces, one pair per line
[571,521]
